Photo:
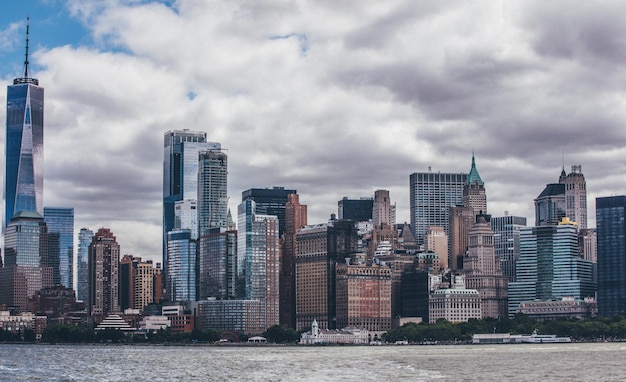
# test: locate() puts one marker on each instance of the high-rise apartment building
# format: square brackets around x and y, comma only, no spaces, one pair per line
[104,259]
[295,218]
[270,201]
[140,283]
[383,212]
[60,221]
[23,181]
[611,236]
[85,236]
[549,267]
[431,196]
[212,190]
[575,196]
[258,250]
[506,233]
[26,268]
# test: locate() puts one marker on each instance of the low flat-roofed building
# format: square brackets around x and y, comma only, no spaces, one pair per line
[454,305]
[567,307]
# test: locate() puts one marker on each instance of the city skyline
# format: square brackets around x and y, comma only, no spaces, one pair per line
[336,108]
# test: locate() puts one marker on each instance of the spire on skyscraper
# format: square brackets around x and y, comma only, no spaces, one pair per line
[26,79]
[473,176]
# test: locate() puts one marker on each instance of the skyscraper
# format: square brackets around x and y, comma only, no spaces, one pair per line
[258,250]
[85,236]
[611,238]
[26,268]
[24,145]
[60,221]
[474,194]
[295,218]
[549,266]
[432,194]
[270,201]
[104,259]
[217,265]
[212,190]
[180,174]
[506,234]
[383,211]
[576,196]
[358,210]
[181,266]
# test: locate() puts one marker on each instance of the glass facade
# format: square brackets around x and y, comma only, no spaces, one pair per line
[60,221]
[549,267]
[212,190]
[270,201]
[506,231]
[24,149]
[181,274]
[432,195]
[611,244]
[82,276]
[217,265]
[359,210]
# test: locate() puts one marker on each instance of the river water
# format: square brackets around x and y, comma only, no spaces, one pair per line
[523,362]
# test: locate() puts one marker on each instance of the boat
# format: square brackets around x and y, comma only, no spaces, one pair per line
[544,339]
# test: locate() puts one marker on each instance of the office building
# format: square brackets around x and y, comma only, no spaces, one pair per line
[506,232]
[180,174]
[85,236]
[60,222]
[23,181]
[181,266]
[358,210]
[482,270]
[212,190]
[319,249]
[611,236]
[575,196]
[436,241]
[383,212]
[474,194]
[461,222]
[104,259]
[455,304]
[431,196]
[217,265]
[364,296]
[186,216]
[549,267]
[550,205]
[295,218]
[26,268]
[270,201]
[399,263]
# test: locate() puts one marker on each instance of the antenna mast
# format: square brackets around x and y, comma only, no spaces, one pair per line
[26,79]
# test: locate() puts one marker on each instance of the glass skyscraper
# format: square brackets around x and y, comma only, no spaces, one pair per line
[611,236]
[212,190]
[270,201]
[549,267]
[506,233]
[24,145]
[432,195]
[181,265]
[60,221]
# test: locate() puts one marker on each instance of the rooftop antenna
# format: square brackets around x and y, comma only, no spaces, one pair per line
[26,79]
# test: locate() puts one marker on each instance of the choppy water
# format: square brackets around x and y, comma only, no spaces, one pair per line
[562,362]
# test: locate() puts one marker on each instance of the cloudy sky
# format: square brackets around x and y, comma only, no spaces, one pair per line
[332,98]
